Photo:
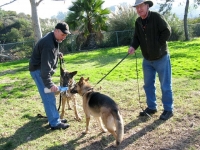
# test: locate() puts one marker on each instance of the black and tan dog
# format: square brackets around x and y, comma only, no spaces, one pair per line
[102,108]
[67,80]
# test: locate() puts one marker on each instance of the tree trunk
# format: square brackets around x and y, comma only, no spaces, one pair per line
[185,21]
[35,21]
[91,42]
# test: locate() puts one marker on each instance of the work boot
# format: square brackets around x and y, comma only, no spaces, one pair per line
[166,115]
[148,111]
[60,126]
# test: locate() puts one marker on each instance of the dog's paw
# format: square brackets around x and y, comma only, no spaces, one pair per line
[114,145]
[78,119]
[86,132]
[104,130]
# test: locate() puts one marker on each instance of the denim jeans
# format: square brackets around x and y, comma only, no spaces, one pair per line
[48,99]
[162,67]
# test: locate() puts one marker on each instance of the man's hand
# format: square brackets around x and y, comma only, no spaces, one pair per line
[60,55]
[131,50]
[54,88]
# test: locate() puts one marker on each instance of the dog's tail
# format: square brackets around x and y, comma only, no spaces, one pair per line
[119,126]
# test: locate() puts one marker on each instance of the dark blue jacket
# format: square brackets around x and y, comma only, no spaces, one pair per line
[45,58]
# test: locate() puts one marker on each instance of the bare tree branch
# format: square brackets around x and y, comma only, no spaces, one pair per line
[59,0]
[38,2]
[7,3]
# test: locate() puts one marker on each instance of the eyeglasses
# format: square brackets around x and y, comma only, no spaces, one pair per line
[140,6]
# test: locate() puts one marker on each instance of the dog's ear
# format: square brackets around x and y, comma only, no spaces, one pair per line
[73,73]
[81,79]
[87,79]
[62,71]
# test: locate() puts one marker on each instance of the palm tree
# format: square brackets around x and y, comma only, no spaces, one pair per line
[88,17]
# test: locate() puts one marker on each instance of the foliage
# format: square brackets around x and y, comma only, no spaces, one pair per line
[88,17]
[15,27]
[195,25]
[122,19]
[47,25]
[167,6]
[175,24]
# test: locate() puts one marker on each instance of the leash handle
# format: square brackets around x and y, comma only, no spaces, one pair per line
[136,68]
[61,63]
[111,69]
[60,96]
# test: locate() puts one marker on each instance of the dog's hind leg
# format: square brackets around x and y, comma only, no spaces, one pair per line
[109,122]
[101,124]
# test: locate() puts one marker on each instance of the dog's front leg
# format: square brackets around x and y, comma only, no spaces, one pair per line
[63,107]
[87,116]
[78,118]
[87,124]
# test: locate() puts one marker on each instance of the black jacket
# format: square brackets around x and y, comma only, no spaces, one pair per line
[45,58]
[153,38]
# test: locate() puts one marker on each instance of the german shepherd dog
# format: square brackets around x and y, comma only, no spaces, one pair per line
[67,80]
[102,107]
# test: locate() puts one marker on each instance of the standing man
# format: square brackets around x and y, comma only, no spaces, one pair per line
[151,34]
[42,66]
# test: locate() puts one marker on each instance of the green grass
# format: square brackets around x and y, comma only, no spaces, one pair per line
[20,103]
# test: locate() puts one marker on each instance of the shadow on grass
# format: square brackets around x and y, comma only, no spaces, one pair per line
[32,130]
[191,142]
[105,141]
[14,71]
[102,57]
[134,137]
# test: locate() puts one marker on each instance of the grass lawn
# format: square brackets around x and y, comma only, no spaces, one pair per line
[21,129]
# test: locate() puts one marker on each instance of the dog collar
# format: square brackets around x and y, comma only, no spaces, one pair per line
[88,91]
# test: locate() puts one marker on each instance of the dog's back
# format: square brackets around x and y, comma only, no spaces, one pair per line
[100,100]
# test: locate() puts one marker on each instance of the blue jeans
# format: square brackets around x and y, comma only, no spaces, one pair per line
[48,99]
[162,67]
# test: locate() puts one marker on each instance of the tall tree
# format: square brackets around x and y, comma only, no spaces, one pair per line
[88,17]
[35,20]
[167,6]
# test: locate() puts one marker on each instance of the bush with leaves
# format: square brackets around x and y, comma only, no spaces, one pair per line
[88,18]
[123,19]
[176,27]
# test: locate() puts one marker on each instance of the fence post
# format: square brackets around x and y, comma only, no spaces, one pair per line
[117,38]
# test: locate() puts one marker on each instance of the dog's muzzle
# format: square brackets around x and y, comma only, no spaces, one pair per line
[73,91]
